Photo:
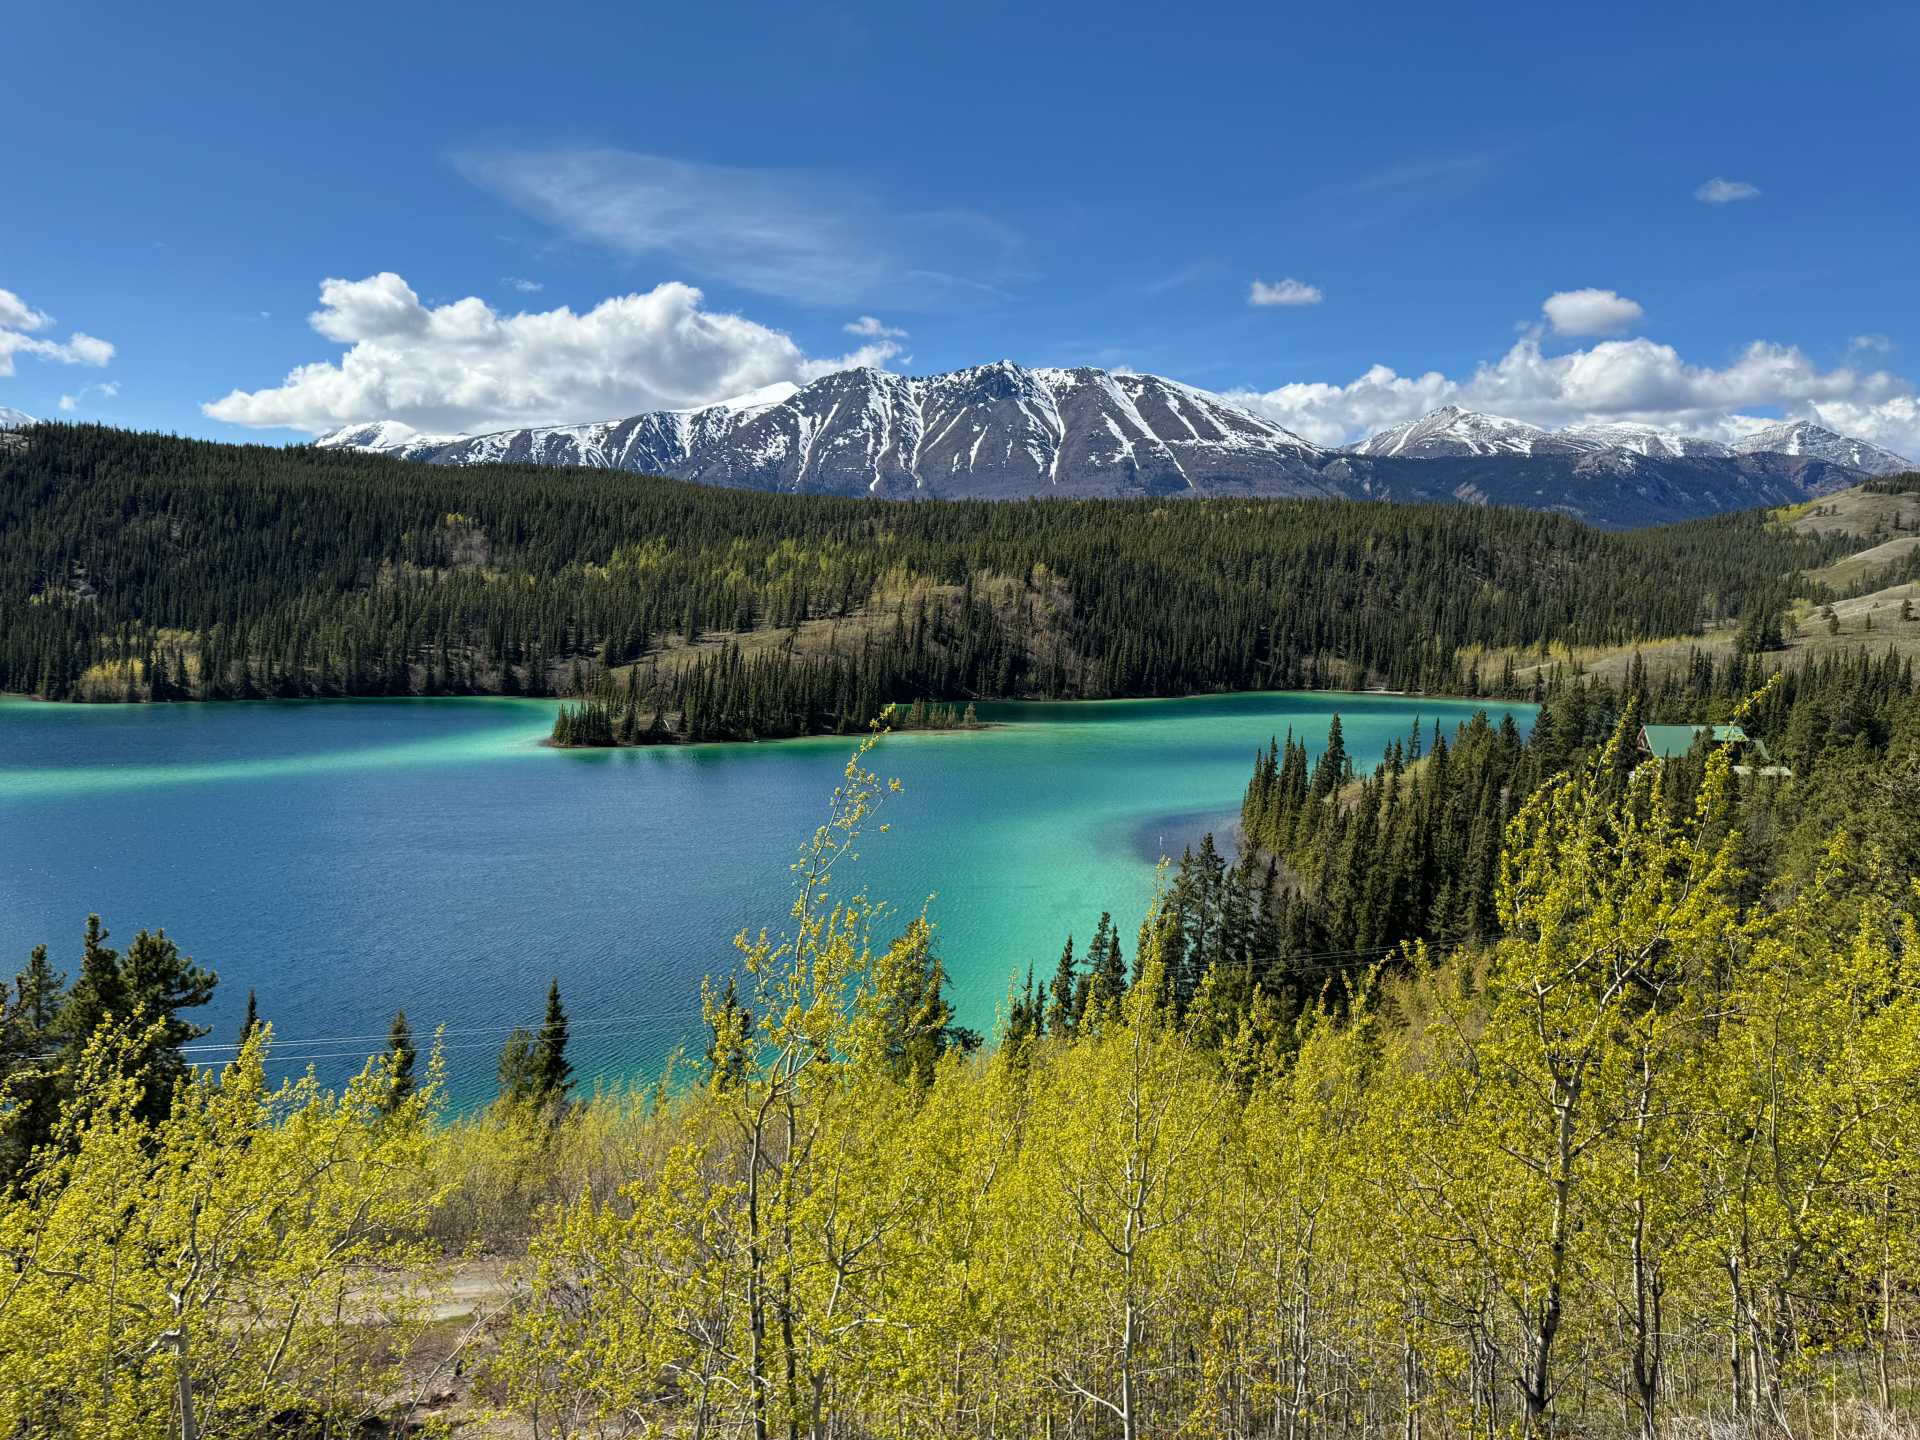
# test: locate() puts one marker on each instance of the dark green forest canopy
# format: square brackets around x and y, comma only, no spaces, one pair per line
[137,566]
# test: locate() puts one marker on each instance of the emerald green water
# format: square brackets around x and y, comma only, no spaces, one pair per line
[346,858]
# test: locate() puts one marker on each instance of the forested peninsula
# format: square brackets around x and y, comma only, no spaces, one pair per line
[138,567]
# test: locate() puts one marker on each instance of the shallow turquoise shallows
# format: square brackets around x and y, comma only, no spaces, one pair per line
[347,858]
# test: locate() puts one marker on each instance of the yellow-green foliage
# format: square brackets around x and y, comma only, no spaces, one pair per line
[236,1254]
[1647,1162]
[1648,1165]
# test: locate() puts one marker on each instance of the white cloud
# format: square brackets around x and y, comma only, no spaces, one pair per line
[1724,192]
[16,314]
[18,321]
[1590,312]
[106,389]
[1635,379]
[1284,292]
[1879,344]
[523,285]
[465,366]
[871,328]
[786,233]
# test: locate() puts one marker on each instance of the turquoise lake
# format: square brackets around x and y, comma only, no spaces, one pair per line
[347,858]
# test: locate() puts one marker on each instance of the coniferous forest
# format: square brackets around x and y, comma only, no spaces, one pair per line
[143,567]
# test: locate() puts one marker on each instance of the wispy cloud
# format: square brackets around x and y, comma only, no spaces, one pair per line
[790,234]
[19,323]
[1284,292]
[1718,191]
[522,284]
[106,390]
[1446,174]
[1179,279]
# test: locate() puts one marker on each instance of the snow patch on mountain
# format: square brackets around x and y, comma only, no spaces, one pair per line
[1649,441]
[1804,438]
[1451,431]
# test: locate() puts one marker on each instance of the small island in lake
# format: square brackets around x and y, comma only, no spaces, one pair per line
[600,723]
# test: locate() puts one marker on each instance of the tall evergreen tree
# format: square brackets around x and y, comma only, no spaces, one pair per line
[401,1056]
[519,1069]
[553,1074]
[149,985]
[30,1076]
[1061,1015]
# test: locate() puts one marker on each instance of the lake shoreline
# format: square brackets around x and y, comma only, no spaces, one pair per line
[675,742]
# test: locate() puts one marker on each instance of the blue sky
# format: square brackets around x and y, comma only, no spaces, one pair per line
[718,194]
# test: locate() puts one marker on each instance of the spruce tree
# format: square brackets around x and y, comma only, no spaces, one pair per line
[1107,985]
[553,1075]
[31,1083]
[1061,1015]
[152,982]
[401,1054]
[518,1069]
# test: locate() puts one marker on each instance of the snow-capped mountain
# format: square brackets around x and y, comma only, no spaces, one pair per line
[1649,441]
[1803,438]
[1003,431]
[1451,432]
[12,419]
[1612,474]
[992,431]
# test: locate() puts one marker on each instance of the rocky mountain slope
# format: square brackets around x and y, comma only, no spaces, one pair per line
[995,431]
[1802,439]
[1003,431]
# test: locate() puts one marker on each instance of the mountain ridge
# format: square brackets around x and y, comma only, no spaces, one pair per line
[1005,431]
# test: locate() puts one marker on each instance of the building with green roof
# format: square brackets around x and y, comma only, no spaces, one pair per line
[1669,742]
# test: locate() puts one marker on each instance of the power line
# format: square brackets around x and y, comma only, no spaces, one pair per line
[598,1027]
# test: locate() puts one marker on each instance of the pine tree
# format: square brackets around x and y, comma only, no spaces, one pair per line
[31,1085]
[519,1072]
[251,1022]
[401,1055]
[1107,982]
[152,981]
[1333,767]
[1061,1015]
[553,1075]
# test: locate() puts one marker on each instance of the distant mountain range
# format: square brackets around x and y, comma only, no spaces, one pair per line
[12,419]
[1453,433]
[1003,431]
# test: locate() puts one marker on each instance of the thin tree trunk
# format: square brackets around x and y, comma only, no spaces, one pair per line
[183,1379]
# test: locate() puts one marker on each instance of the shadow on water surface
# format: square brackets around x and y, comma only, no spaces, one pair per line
[1158,837]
